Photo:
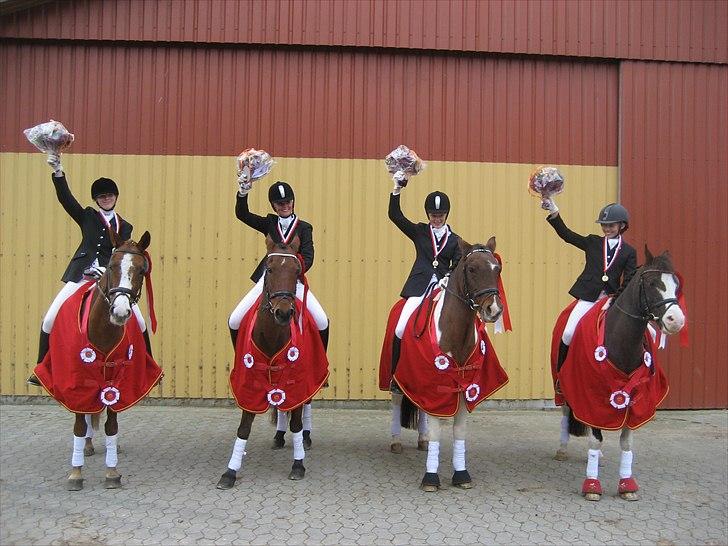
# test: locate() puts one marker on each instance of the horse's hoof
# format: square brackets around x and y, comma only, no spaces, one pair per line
[227,480]
[112,483]
[561,455]
[592,496]
[630,496]
[297,471]
[279,440]
[461,479]
[430,482]
[74,484]
[34,381]
[395,447]
[88,450]
[307,440]
[422,445]
[628,489]
[592,489]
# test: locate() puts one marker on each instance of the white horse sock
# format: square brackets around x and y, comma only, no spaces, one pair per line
[298,453]
[282,422]
[592,464]
[236,459]
[458,455]
[625,465]
[77,457]
[111,452]
[396,425]
[564,438]
[307,420]
[89,428]
[433,457]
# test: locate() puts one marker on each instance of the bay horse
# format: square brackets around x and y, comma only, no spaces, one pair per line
[464,371]
[108,362]
[625,350]
[267,336]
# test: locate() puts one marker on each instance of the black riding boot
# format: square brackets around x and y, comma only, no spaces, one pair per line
[325,337]
[148,343]
[563,350]
[234,337]
[43,344]
[396,344]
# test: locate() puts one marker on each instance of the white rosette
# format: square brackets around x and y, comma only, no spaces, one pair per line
[600,353]
[472,392]
[50,137]
[403,163]
[483,346]
[109,396]
[619,399]
[442,362]
[130,352]
[647,359]
[88,355]
[253,165]
[293,354]
[276,397]
[248,360]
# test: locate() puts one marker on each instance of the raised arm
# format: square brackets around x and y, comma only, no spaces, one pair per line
[66,198]
[243,213]
[399,219]
[565,233]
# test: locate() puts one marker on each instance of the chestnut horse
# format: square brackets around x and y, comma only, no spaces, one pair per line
[650,296]
[470,299]
[271,333]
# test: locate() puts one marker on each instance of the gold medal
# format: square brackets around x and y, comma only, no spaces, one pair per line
[605,278]
[435,263]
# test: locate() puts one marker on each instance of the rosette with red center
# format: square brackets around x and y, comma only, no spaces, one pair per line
[472,392]
[248,360]
[403,163]
[442,362]
[109,396]
[276,397]
[292,354]
[88,355]
[49,137]
[619,399]
[600,353]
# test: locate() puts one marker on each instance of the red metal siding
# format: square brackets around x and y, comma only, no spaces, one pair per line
[336,104]
[674,160]
[676,30]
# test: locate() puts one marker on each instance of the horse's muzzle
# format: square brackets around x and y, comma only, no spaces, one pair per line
[673,320]
[491,312]
[282,316]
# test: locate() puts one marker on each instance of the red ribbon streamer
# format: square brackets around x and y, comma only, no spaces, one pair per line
[502,292]
[150,292]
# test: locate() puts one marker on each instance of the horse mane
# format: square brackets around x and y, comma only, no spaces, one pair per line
[661,263]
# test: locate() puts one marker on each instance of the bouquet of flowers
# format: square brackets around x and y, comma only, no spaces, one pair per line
[50,137]
[545,182]
[402,163]
[253,165]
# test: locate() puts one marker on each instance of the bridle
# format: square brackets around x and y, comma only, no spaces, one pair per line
[470,296]
[286,294]
[646,308]
[110,294]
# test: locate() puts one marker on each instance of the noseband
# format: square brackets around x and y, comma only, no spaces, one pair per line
[647,309]
[110,295]
[470,297]
[286,294]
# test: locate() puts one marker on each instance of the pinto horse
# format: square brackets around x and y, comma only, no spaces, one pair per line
[280,360]
[448,366]
[97,358]
[610,378]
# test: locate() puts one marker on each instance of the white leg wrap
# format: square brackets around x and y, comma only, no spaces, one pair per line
[564,437]
[89,428]
[307,418]
[625,465]
[433,456]
[282,422]
[422,423]
[77,457]
[592,464]
[396,409]
[236,459]
[458,455]
[111,454]
[298,453]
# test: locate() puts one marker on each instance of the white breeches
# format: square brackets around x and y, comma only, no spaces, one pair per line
[409,308]
[579,310]
[66,292]
[312,304]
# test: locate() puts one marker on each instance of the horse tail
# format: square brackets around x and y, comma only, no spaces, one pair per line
[273,416]
[408,415]
[576,428]
[95,420]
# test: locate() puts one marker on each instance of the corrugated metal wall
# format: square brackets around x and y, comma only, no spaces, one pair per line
[674,132]
[685,30]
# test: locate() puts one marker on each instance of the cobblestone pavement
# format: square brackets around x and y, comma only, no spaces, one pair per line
[355,490]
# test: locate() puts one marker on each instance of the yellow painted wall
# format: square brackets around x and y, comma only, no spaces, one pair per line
[203,256]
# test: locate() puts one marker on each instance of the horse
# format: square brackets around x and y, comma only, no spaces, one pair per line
[280,362]
[633,384]
[99,312]
[464,370]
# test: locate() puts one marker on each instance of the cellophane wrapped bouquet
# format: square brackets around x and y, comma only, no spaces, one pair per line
[253,165]
[545,182]
[403,163]
[50,137]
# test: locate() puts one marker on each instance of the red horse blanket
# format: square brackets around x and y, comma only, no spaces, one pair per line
[83,378]
[385,357]
[434,380]
[599,394]
[285,380]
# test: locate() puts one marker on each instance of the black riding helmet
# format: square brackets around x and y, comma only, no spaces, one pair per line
[102,186]
[280,191]
[437,203]
[612,214]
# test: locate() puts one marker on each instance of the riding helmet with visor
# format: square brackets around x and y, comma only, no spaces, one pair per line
[102,186]
[612,214]
[437,203]
[280,191]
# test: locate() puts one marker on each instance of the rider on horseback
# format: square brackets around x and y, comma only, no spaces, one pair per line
[282,227]
[94,251]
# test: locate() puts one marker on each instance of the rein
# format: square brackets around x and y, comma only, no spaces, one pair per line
[286,294]
[110,295]
[470,297]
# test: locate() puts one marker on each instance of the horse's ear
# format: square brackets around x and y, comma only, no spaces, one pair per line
[269,244]
[490,245]
[648,255]
[464,246]
[115,239]
[295,244]
[144,241]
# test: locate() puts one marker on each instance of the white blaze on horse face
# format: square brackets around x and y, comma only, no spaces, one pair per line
[121,308]
[674,319]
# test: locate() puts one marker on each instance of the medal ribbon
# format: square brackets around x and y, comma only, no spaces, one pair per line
[108,224]
[607,265]
[435,250]
[286,237]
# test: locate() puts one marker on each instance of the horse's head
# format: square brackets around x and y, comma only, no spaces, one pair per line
[658,290]
[121,285]
[476,278]
[282,268]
